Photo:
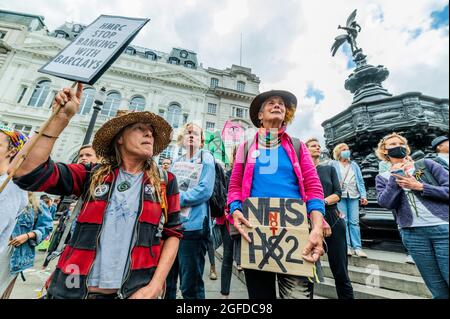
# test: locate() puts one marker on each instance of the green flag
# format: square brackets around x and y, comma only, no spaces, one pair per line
[214,143]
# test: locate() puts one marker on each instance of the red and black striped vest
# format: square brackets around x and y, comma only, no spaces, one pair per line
[75,263]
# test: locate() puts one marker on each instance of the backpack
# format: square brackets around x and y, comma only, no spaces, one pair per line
[217,201]
[427,177]
[164,181]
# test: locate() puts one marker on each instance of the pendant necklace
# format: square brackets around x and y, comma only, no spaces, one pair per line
[124,185]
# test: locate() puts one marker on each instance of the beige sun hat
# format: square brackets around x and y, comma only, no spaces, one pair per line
[162,131]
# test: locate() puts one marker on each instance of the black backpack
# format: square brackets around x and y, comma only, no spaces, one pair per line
[427,177]
[218,200]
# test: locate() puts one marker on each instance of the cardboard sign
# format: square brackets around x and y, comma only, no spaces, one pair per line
[279,235]
[93,51]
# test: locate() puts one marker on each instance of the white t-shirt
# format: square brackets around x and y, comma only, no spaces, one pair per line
[117,232]
[12,201]
[349,187]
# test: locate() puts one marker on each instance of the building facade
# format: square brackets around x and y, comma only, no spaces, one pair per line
[174,85]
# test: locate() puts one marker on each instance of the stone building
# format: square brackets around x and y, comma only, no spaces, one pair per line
[174,85]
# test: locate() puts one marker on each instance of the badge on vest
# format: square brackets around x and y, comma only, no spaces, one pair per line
[149,189]
[101,190]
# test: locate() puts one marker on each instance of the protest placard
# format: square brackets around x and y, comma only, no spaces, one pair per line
[93,51]
[279,235]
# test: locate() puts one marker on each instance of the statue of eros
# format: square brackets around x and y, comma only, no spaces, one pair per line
[352,29]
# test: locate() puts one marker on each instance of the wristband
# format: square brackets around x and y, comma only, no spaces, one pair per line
[48,136]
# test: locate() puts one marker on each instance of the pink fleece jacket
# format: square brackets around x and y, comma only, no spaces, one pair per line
[242,177]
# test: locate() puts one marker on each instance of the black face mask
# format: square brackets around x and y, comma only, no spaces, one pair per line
[397,152]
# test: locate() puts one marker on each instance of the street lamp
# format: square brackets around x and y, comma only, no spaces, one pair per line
[98,102]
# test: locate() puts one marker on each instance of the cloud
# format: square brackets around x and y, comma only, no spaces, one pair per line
[287,43]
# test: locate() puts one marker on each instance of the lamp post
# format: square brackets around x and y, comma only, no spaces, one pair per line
[98,102]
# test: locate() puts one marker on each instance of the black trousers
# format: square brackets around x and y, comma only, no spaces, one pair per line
[337,255]
[261,285]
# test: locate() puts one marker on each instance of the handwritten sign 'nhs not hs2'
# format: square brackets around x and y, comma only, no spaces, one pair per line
[279,235]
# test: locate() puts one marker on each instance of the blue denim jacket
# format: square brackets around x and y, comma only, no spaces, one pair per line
[358,176]
[23,256]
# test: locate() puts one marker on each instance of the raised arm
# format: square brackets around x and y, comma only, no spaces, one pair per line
[39,154]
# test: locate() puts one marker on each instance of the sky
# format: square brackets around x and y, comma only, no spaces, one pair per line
[287,43]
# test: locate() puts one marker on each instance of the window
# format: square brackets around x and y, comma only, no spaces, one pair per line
[240,112]
[87,101]
[173,60]
[161,113]
[212,108]
[150,55]
[174,115]
[183,54]
[112,104]
[189,64]
[137,104]
[2,34]
[61,35]
[24,129]
[167,153]
[214,82]
[185,118]
[210,126]
[76,28]
[130,51]
[40,94]
[240,86]
[22,93]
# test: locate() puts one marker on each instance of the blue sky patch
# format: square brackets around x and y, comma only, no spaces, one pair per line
[440,18]
[317,94]
[348,53]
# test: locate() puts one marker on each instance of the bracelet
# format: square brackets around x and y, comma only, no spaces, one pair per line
[48,136]
[28,237]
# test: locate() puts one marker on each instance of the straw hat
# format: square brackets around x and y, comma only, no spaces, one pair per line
[162,131]
[289,99]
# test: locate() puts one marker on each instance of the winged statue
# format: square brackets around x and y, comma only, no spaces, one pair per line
[352,28]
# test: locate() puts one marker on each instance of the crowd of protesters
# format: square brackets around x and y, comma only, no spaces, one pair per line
[141,231]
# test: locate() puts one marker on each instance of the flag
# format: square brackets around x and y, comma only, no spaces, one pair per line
[233,132]
[214,143]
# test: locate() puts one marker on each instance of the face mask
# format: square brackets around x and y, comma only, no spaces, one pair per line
[345,154]
[397,152]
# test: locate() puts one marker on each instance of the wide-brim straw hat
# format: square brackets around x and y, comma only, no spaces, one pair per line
[289,99]
[162,131]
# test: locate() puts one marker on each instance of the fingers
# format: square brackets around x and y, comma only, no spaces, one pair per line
[308,248]
[62,97]
[243,233]
[79,90]
[244,221]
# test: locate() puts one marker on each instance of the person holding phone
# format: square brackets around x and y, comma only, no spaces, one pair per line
[418,194]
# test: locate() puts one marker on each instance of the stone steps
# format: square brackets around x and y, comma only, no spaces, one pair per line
[391,277]
[373,276]
[386,261]
[328,290]
[387,271]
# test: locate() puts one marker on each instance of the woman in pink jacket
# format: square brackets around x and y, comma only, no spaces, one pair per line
[273,169]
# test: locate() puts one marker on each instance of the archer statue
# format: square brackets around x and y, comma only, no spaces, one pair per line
[352,29]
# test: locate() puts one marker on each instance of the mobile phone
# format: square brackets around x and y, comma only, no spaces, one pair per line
[400,172]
